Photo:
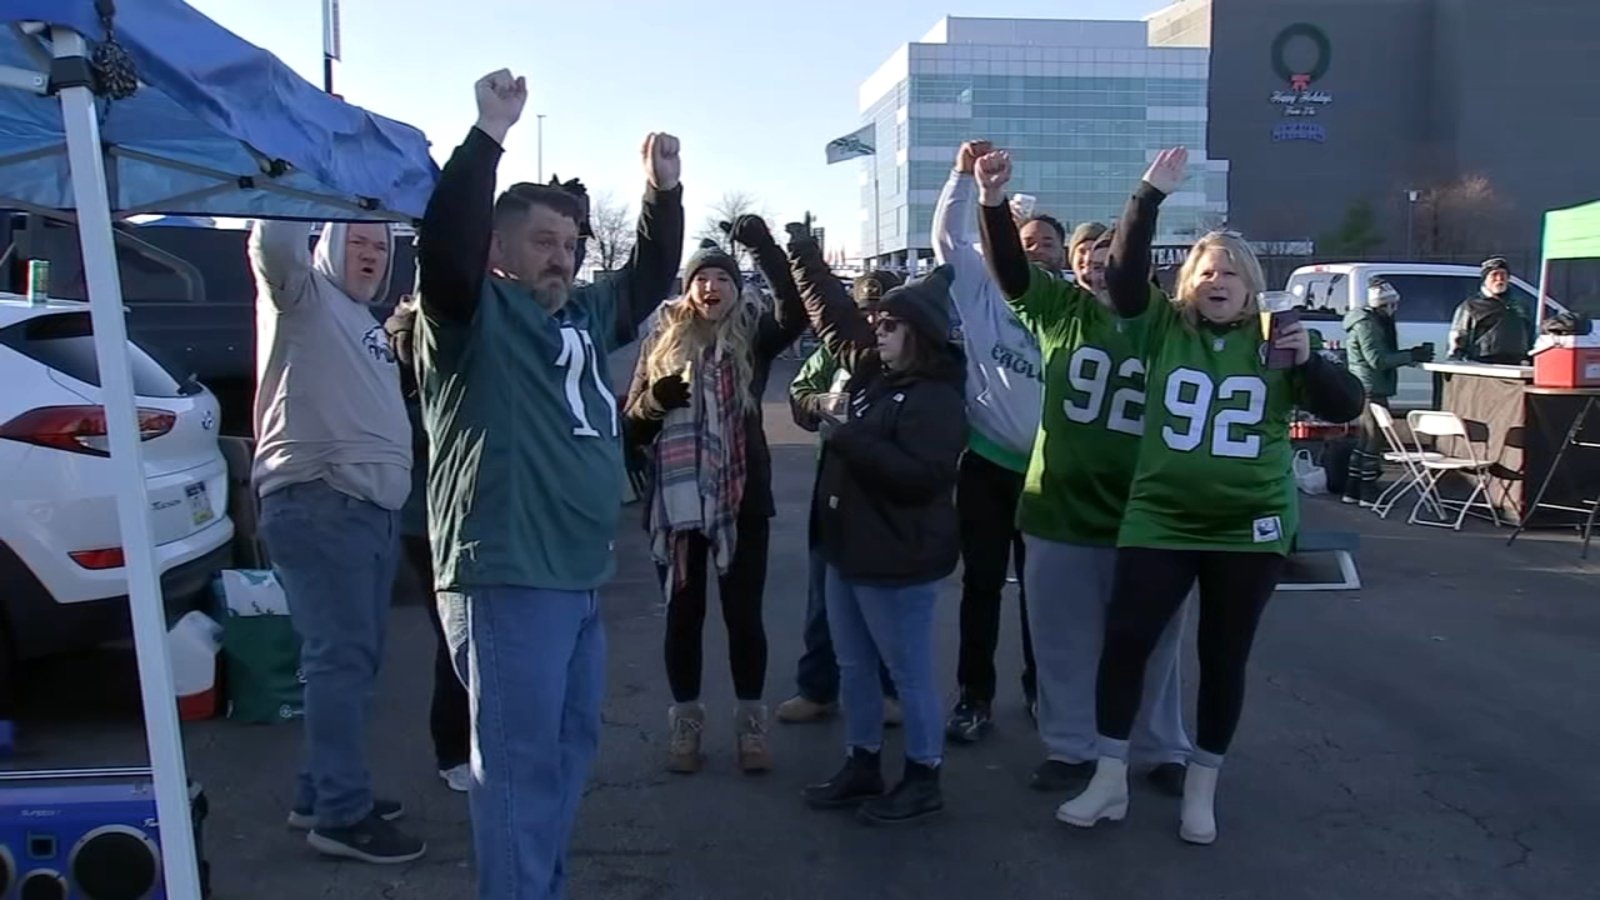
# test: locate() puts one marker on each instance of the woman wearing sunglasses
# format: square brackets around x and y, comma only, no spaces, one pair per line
[886,519]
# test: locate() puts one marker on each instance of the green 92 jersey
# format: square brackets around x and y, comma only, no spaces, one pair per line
[1094,406]
[1214,463]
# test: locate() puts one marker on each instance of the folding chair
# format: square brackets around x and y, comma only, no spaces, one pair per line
[1409,460]
[1436,425]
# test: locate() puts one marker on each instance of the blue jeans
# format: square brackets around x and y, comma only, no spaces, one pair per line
[534,663]
[817,675]
[336,558]
[873,626]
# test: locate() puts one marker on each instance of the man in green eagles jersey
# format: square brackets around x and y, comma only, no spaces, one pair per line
[523,487]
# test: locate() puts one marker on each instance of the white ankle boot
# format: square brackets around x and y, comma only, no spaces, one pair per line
[1199,822]
[1106,797]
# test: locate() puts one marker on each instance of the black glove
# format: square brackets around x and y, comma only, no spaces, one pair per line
[797,232]
[670,392]
[751,231]
[1422,353]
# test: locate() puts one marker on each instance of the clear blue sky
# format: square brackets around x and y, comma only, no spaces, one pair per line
[754,90]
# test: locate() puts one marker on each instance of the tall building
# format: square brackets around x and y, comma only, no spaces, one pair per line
[1083,106]
[1456,123]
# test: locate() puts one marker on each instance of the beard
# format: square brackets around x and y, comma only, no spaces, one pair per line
[553,298]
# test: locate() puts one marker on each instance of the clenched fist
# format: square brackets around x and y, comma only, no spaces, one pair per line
[501,98]
[969,154]
[751,231]
[993,171]
[662,167]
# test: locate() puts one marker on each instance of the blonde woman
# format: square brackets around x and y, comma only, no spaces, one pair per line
[1212,499]
[695,403]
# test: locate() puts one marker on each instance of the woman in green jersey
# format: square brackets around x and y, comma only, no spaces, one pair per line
[1212,499]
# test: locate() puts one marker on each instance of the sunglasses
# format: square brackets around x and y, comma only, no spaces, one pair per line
[886,325]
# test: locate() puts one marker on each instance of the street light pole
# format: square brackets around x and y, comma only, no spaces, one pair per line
[540,118]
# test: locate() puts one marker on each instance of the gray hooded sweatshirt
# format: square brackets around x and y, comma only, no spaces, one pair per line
[328,405]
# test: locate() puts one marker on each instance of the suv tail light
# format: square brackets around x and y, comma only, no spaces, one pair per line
[79,429]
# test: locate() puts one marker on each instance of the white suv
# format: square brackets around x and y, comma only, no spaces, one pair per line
[1429,295]
[62,581]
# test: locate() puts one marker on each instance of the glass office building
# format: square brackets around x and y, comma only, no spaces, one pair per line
[1083,106]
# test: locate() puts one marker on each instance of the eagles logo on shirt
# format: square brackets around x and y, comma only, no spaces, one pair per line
[376,343]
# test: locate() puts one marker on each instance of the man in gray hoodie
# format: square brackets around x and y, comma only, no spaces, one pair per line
[332,470]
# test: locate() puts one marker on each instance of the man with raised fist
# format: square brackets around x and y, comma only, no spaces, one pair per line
[523,487]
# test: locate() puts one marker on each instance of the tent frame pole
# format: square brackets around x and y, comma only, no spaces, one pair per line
[179,862]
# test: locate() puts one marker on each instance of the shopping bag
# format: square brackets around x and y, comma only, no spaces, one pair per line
[260,649]
[1312,478]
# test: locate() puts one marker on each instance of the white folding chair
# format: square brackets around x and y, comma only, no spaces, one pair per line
[1410,461]
[1435,424]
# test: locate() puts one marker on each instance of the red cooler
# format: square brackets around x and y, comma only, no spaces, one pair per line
[1566,364]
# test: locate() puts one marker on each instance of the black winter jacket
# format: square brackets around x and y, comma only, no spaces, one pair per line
[884,503]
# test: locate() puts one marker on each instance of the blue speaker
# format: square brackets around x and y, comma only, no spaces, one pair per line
[85,835]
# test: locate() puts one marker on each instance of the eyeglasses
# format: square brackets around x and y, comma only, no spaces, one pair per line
[886,325]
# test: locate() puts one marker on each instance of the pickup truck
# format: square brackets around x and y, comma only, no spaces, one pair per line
[1429,295]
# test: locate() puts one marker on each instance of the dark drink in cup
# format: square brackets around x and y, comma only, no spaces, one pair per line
[1278,313]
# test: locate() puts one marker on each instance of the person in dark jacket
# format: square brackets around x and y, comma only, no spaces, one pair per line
[1373,358]
[695,403]
[1492,327]
[886,520]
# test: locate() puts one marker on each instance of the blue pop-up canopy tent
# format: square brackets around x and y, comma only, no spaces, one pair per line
[213,126]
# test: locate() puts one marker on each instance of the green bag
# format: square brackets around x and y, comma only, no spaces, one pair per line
[260,649]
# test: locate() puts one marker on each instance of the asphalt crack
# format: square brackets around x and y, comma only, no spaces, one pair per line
[1525,852]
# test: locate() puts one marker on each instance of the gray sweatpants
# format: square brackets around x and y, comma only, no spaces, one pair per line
[1069,588]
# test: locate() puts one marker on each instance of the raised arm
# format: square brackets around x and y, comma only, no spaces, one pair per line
[1128,263]
[646,279]
[1002,246]
[280,257]
[805,391]
[1329,391]
[955,228]
[788,311]
[840,325]
[453,246]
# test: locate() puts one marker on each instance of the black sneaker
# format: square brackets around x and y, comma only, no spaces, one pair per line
[915,798]
[969,722]
[387,810]
[1168,778]
[371,840]
[1056,775]
[861,779]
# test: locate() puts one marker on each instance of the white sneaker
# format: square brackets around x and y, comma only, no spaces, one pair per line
[1199,822]
[458,778]
[1106,797]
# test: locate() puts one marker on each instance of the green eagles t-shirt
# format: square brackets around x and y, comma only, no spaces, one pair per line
[523,486]
[1214,463]
[1088,439]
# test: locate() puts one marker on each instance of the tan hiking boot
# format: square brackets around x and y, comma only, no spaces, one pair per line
[686,721]
[751,726]
[797,710]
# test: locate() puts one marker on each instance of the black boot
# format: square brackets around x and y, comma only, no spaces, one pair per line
[916,797]
[860,779]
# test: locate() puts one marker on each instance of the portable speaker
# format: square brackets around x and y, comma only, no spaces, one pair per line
[85,835]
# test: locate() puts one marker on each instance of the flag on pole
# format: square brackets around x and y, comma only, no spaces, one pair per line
[856,143]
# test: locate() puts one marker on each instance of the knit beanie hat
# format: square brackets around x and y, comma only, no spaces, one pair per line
[1494,264]
[868,289]
[1088,231]
[712,256]
[923,304]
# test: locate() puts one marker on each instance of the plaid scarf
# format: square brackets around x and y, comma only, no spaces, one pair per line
[699,473]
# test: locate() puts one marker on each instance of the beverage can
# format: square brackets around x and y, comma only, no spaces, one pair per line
[38,281]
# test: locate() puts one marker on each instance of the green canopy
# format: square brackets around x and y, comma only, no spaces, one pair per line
[1573,233]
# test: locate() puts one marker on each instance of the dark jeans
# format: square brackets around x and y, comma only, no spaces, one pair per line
[986,502]
[449,718]
[1150,587]
[740,591]
[1366,460]
[817,674]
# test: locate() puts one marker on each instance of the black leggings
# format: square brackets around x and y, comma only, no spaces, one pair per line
[1150,587]
[450,713]
[740,590]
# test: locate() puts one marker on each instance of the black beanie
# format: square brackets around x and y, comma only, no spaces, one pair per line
[712,256]
[923,304]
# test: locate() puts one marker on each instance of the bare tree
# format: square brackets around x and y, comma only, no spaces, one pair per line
[730,207]
[1467,216]
[614,230]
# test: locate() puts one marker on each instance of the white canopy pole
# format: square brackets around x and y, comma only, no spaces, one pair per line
[179,863]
